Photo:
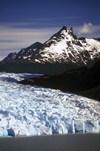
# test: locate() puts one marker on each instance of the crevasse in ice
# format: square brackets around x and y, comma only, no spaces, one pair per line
[29,110]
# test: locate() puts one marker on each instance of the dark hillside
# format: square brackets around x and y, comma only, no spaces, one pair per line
[82,81]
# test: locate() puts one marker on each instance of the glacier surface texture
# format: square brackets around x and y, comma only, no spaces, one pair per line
[29,110]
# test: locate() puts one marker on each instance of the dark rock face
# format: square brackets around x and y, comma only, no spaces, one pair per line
[28,51]
[82,38]
[71,29]
[82,81]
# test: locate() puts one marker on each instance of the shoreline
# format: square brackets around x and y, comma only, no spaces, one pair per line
[66,142]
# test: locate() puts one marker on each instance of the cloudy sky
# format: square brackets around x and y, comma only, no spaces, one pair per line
[23,22]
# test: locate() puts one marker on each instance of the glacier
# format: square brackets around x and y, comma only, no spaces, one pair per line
[30,110]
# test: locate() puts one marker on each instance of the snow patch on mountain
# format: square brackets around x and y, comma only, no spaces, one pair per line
[93,44]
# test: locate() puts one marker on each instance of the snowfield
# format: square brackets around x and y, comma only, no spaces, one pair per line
[29,110]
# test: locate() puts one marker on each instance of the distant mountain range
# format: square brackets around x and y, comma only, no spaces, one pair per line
[62,52]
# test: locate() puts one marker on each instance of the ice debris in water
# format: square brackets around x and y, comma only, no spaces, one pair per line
[29,110]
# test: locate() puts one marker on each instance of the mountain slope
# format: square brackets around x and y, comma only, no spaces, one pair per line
[82,81]
[10,56]
[63,50]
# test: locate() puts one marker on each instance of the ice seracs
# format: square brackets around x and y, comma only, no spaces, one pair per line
[30,110]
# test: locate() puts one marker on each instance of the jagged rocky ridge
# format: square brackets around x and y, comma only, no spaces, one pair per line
[82,81]
[63,51]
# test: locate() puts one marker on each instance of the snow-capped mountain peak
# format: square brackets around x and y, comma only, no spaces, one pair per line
[63,33]
[63,48]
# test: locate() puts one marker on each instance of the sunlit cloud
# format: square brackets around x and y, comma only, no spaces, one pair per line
[88,28]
